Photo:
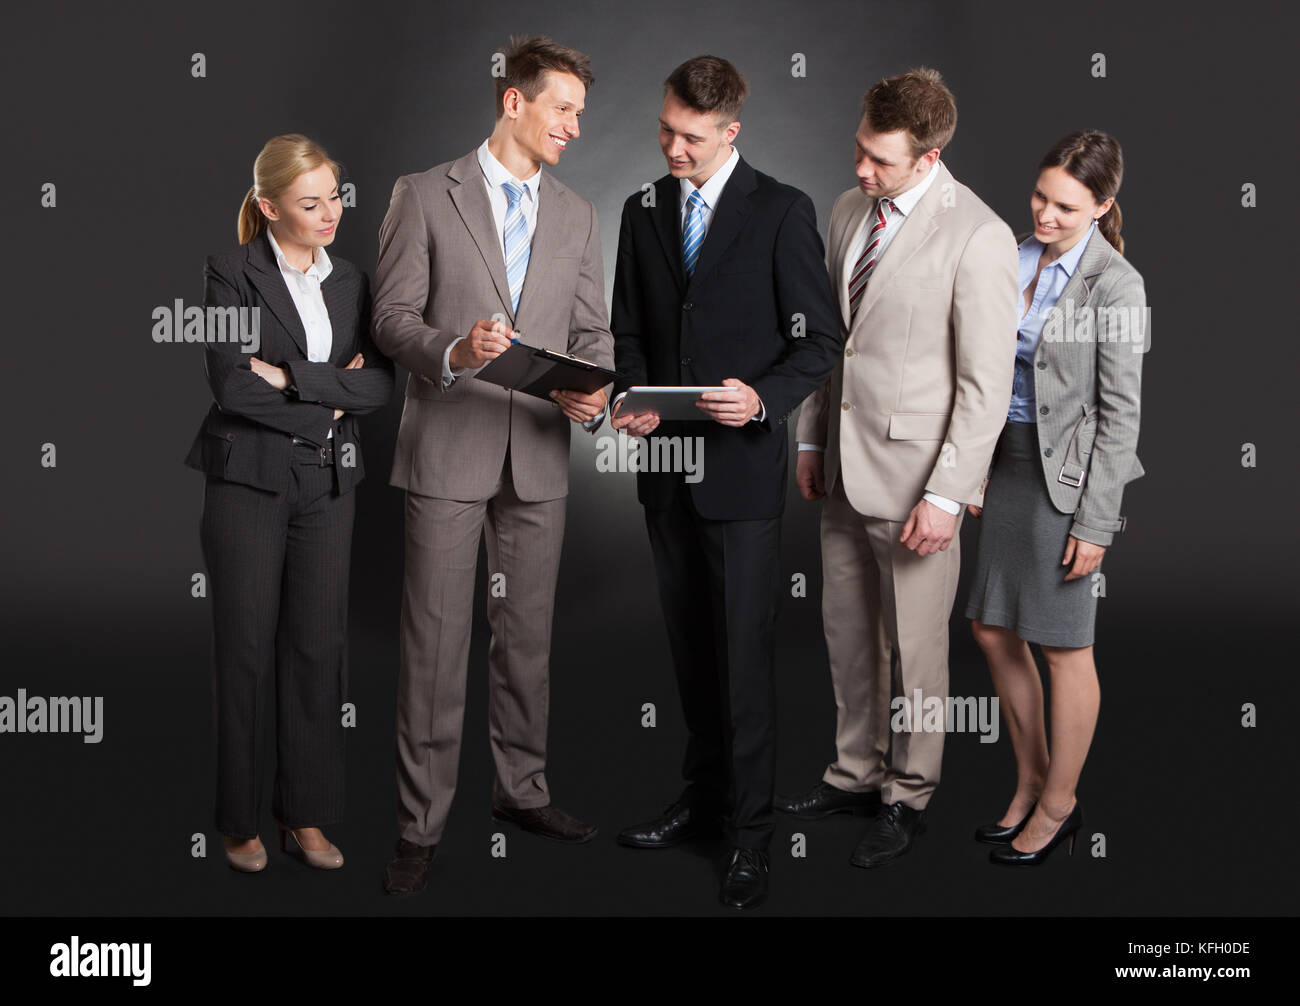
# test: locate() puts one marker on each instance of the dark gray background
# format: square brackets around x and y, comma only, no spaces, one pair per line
[151,166]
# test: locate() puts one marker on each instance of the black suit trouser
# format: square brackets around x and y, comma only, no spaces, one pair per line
[278,568]
[719,584]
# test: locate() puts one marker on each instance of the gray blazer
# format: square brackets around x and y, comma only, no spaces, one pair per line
[1087,382]
[440,270]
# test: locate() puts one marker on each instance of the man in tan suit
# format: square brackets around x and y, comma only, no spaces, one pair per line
[469,253]
[898,440]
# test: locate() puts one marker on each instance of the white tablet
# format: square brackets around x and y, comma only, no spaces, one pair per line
[668,402]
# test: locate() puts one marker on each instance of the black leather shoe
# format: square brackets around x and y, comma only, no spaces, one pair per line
[1009,855]
[745,883]
[549,822]
[409,868]
[1001,834]
[891,834]
[824,799]
[676,824]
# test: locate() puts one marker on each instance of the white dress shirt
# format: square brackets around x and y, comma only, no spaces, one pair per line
[710,191]
[904,203]
[495,177]
[304,288]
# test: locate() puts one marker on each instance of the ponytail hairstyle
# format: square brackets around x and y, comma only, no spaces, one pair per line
[1093,159]
[281,161]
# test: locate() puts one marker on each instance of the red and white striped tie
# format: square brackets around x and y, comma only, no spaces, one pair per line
[867,260]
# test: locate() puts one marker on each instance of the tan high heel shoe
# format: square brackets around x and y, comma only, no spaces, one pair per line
[247,862]
[322,859]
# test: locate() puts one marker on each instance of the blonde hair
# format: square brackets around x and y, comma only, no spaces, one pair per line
[281,161]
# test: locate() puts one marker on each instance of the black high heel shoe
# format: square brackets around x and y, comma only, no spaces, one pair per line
[1009,855]
[1002,834]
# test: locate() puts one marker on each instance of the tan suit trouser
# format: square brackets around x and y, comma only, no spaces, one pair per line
[878,596]
[523,547]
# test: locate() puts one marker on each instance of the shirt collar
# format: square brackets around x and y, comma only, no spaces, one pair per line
[711,190]
[322,266]
[906,202]
[1070,260]
[496,174]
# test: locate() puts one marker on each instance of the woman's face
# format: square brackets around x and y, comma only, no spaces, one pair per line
[307,213]
[1063,207]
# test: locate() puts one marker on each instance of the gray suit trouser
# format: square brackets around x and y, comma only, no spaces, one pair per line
[523,548]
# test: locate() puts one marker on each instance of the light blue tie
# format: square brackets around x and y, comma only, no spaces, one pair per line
[516,242]
[693,232]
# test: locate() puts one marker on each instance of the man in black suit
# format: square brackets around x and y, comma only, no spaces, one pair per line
[720,280]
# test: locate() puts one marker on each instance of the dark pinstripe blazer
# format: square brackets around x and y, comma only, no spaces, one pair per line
[1087,382]
[246,435]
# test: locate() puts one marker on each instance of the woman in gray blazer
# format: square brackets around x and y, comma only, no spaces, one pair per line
[1052,502]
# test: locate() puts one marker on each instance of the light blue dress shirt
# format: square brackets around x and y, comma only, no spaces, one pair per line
[1050,284]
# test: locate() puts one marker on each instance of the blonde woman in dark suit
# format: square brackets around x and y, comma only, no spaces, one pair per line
[1052,503]
[281,453]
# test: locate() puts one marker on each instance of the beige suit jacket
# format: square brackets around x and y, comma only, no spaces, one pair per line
[921,394]
[440,270]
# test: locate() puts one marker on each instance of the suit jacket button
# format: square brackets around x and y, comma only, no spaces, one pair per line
[1044,410]
[1047,453]
[1042,364]
[687,305]
[846,406]
[230,436]
[849,351]
[686,361]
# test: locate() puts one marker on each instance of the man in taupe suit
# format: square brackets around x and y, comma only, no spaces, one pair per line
[898,440]
[469,253]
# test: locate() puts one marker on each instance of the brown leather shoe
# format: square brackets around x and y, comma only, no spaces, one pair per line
[548,821]
[408,870]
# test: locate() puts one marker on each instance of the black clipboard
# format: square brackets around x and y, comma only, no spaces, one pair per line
[538,372]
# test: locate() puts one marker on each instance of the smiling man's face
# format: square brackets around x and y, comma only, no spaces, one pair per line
[543,127]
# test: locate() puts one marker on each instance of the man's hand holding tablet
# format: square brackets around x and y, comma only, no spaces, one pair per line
[734,407]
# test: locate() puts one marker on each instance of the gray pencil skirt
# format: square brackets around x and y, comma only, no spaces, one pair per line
[1019,582]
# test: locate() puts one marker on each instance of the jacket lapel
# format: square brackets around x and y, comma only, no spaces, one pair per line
[264,273]
[911,237]
[729,217]
[1092,263]
[552,211]
[338,294]
[843,242]
[471,200]
[667,218]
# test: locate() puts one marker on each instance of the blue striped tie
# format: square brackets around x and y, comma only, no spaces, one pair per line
[693,232]
[516,242]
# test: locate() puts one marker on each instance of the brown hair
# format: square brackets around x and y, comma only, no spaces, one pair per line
[917,101]
[709,84]
[529,59]
[281,161]
[1094,159]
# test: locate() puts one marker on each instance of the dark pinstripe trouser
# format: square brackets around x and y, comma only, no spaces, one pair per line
[278,578]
